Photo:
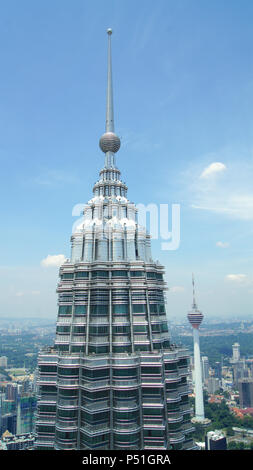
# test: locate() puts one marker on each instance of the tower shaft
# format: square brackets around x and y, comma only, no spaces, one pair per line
[199,401]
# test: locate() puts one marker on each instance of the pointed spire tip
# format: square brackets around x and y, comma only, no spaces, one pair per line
[109,142]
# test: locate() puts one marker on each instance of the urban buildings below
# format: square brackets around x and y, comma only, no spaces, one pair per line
[17,409]
[215,440]
[113,379]
[17,442]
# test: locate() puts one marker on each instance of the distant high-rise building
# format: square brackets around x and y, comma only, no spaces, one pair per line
[218,370]
[3,362]
[246,392]
[12,391]
[240,371]
[213,385]
[195,318]
[26,414]
[215,440]
[26,386]
[8,423]
[236,352]
[113,379]
[250,367]
[205,368]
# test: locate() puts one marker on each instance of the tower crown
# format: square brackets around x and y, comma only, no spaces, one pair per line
[195,317]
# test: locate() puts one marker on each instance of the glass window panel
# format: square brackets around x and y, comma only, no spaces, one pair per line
[139,308]
[99,330]
[65,309]
[120,309]
[99,309]
[140,328]
[100,274]
[136,273]
[63,329]
[80,309]
[151,275]
[121,329]
[119,273]
[153,308]
[67,275]
[82,274]
[125,372]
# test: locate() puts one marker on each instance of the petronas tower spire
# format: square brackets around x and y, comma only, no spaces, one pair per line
[109,142]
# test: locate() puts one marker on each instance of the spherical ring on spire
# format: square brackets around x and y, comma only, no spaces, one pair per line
[109,142]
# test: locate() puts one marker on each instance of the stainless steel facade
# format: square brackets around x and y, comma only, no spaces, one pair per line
[113,380]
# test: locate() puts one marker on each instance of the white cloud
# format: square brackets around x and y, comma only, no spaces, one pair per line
[222,244]
[213,169]
[236,277]
[53,260]
[176,289]
[231,196]
[232,205]
[19,294]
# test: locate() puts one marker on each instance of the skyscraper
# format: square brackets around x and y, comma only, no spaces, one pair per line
[218,370]
[246,392]
[195,318]
[205,368]
[215,440]
[112,380]
[213,385]
[236,352]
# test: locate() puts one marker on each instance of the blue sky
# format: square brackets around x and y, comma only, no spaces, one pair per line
[183,96]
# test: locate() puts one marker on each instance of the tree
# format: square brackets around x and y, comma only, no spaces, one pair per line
[229,431]
[232,445]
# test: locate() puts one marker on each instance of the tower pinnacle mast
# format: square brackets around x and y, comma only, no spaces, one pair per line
[194,305]
[109,126]
[109,142]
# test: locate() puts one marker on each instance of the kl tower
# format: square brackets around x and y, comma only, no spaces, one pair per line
[195,318]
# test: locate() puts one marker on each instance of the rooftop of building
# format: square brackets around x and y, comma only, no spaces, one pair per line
[216,398]
[241,412]
[216,435]
[8,436]
[248,380]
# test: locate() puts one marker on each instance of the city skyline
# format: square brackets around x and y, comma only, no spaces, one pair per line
[190,132]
